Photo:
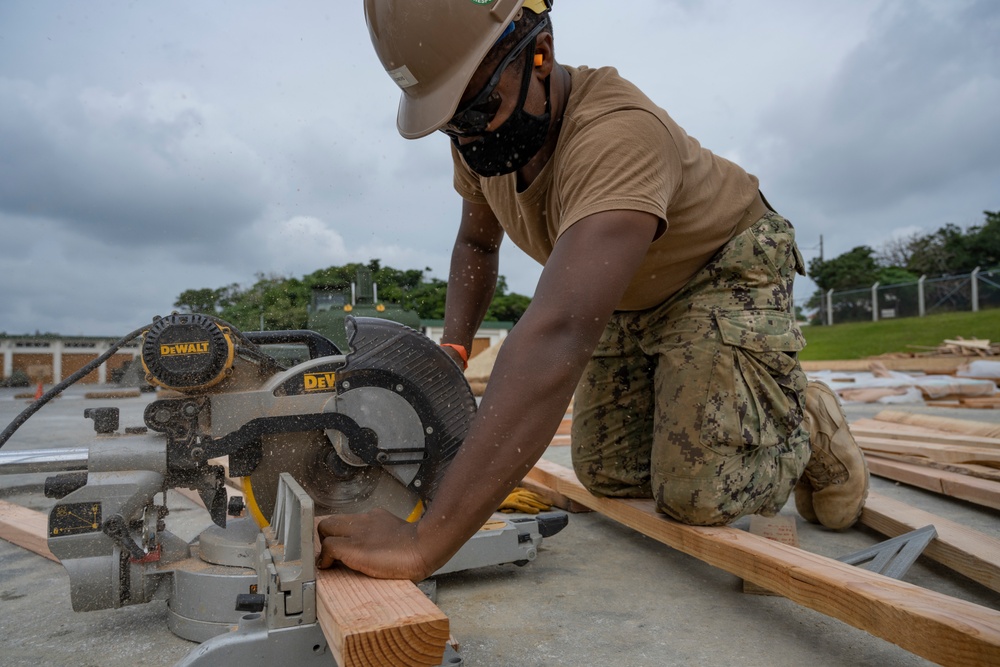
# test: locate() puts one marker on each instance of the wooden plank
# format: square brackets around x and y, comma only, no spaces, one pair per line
[378,622]
[946,365]
[972,489]
[933,451]
[965,404]
[975,343]
[892,427]
[26,528]
[964,550]
[948,424]
[924,435]
[983,472]
[932,625]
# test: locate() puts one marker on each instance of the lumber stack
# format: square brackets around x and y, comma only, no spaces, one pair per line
[931,453]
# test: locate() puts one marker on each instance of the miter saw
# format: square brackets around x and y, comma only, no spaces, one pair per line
[375,428]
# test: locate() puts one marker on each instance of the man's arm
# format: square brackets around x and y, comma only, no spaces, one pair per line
[472,277]
[532,382]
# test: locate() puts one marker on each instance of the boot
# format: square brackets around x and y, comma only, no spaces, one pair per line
[834,486]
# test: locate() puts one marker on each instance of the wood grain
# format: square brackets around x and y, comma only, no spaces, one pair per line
[964,550]
[26,528]
[934,626]
[963,487]
[378,622]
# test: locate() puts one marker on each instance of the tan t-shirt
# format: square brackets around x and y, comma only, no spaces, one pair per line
[619,151]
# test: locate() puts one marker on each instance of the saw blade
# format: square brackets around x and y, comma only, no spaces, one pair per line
[335,486]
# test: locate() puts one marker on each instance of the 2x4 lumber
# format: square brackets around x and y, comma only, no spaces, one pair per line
[963,487]
[934,451]
[964,550]
[948,424]
[924,435]
[378,622]
[26,528]
[983,472]
[934,626]
[946,365]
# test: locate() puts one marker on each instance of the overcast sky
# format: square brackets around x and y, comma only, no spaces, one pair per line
[149,148]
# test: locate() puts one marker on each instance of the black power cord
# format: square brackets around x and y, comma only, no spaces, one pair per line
[59,388]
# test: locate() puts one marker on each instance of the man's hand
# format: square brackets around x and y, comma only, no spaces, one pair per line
[377,543]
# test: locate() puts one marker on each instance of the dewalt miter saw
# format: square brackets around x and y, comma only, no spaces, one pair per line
[375,428]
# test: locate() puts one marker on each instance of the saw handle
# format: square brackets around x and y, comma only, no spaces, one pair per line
[319,345]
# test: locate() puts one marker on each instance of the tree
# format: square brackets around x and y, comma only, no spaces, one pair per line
[203,300]
[943,252]
[506,307]
[275,302]
[984,241]
[854,269]
[897,251]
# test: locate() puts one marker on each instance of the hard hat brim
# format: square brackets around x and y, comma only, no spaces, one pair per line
[420,116]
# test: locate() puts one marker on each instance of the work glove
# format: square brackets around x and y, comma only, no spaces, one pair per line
[524,501]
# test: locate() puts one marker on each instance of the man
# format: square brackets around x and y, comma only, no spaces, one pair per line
[664,303]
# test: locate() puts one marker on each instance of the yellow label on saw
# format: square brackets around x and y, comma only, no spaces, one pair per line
[494,524]
[181,349]
[319,381]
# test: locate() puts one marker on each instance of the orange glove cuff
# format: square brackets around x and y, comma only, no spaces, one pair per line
[462,352]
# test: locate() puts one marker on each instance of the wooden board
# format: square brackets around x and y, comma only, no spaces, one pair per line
[931,365]
[934,626]
[972,489]
[874,429]
[26,528]
[378,622]
[964,550]
[984,472]
[934,451]
[948,424]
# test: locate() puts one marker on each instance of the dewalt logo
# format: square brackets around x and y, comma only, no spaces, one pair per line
[183,349]
[319,381]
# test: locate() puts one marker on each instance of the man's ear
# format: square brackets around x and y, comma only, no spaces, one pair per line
[544,55]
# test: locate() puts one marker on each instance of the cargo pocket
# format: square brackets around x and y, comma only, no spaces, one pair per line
[756,392]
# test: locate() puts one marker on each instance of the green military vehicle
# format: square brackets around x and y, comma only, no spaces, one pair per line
[330,306]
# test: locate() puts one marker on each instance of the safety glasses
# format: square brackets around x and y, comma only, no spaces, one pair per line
[473,117]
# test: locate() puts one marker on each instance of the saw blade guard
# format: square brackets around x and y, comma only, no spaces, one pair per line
[400,409]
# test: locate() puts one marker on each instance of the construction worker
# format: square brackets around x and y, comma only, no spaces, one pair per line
[664,303]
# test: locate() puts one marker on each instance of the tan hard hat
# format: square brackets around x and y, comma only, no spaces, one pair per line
[431,49]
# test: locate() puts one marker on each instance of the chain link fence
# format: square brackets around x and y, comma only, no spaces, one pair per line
[928,296]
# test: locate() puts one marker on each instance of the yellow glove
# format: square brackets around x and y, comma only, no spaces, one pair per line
[524,501]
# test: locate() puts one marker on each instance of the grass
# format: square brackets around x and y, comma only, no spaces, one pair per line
[866,339]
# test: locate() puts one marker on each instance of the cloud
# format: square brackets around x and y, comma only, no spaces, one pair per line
[910,113]
[157,148]
[149,165]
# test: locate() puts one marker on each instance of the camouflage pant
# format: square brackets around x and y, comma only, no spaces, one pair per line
[698,402]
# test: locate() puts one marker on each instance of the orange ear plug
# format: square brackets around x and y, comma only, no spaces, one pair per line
[539,59]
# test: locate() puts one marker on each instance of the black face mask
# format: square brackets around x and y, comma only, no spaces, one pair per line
[513,144]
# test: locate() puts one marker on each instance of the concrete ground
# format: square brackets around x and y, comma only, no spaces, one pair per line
[598,594]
